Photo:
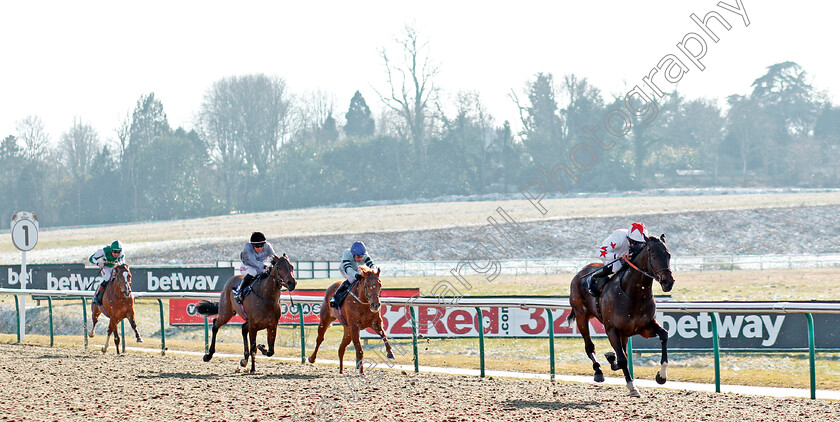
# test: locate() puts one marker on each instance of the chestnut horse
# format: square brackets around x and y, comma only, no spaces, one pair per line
[260,309]
[117,303]
[360,310]
[625,307]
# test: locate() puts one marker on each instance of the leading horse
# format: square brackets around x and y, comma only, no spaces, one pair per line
[260,309]
[360,310]
[625,307]
[117,304]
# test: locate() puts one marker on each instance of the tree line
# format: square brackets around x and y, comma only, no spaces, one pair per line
[258,147]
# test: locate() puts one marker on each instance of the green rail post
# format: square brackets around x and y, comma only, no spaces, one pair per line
[811,357]
[17,317]
[122,334]
[84,317]
[716,346]
[414,338]
[206,336]
[551,341]
[630,356]
[49,301]
[480,317]
[302,334]
[162,330]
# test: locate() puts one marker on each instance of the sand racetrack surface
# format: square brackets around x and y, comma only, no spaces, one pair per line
[57,384]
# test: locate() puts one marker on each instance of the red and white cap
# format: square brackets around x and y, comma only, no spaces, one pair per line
[637,232]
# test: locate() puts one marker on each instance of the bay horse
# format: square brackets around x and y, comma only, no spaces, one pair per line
[359,311]
[260,309]
[625,307]
[117,304]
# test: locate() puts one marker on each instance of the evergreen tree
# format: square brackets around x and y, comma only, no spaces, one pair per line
[359,123]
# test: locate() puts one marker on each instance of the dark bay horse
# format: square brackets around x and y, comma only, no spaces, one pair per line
[260,309]
[625,307]
[117,303]
[359,311]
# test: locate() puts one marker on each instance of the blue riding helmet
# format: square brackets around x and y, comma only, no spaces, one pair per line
[358,248]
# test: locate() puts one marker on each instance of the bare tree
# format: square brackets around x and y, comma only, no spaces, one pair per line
[79,146]
[245,120]
[35,139]
[412,90]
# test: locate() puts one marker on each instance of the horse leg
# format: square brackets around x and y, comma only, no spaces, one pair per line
[252,331]
[344,342]
[618,343]
[377,326]
[223,317]
[589,346]
[244,361]
[654,329]
[134,325]
[116,337]
[326,321]
[359,352]
[94,313]
[271,335]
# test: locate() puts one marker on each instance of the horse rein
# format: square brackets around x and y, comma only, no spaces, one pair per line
[363,284]
[655,275]
[282,284]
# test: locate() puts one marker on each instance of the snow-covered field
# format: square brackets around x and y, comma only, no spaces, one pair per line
[706,223]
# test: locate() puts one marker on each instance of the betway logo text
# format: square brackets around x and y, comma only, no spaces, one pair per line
[72,282]
[765,327]
[177,281]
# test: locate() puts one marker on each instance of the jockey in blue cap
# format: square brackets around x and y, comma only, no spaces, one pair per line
[350,261]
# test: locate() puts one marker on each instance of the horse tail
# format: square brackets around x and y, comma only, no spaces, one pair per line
[207,308]
[571,318]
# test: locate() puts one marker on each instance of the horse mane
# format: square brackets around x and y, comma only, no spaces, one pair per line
[365,271]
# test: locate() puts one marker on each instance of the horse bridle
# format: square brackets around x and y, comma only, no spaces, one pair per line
[655,275]
[282,282]
[127,284]
[363,286]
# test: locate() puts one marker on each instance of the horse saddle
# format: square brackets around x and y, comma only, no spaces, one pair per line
[340,294]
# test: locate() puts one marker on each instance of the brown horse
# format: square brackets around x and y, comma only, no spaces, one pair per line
[360,310]
[625,307]
[117,303]
[260,309]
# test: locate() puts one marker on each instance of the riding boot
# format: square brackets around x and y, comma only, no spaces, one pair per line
[246,281]
[97,297]
[599,278]
[339,293]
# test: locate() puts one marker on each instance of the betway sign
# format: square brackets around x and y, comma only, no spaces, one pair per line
[79,277]
[744,331]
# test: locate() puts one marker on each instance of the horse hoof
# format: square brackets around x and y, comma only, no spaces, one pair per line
[207,357]
[139,340]
[311,359]
[104,350]
[390,355]
[635,393]
[91,334]
[659,379]
[243,363]
[599,377]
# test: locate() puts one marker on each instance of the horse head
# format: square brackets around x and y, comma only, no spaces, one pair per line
[283,271]
[659,261]
[371,287]
[122,280]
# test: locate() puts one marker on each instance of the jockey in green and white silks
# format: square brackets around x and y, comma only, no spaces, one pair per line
[106,259]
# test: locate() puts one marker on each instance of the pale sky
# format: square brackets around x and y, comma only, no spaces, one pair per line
[93,59]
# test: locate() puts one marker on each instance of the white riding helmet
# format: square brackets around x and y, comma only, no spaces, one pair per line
[637,232]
